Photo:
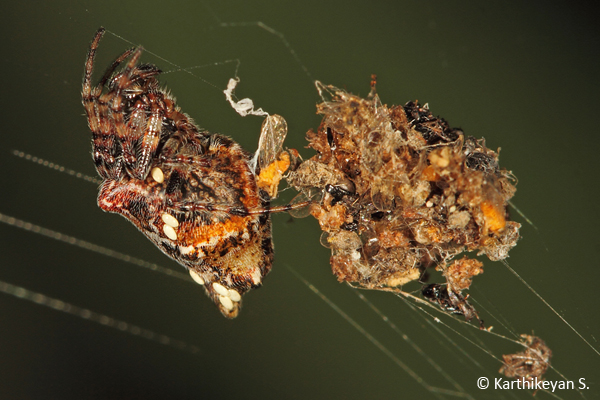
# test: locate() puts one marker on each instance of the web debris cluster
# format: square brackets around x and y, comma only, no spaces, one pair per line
[403,192]
[396,191]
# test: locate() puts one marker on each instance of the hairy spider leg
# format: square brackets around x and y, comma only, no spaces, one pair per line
[240,211]
[111,69]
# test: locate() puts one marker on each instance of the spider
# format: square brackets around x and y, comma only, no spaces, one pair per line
[196,195]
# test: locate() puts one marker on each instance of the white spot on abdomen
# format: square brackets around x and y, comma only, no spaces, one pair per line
[197,278]
[234,295]
[170,220]
[222,290]
[226,302]
[169,232]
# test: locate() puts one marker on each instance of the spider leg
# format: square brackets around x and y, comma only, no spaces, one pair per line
[149,143]
[135,80]
[243,212]
[123,80]
[105,149]
[142,74]
[282,208]
[138,83]
[135,129]
[114,97]
[89,64]
[180,159]
[111,69]
[89,98]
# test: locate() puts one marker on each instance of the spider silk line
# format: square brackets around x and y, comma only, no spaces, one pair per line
[70,240]
[419,303]
[443,334]
[407,339]
[258,24]
[56,167]
[277,34]
[524,282]
[500,319]
[407,296]
[163,339]
[248,24]
[430,322]
[481,346]
[102,319]
[77,311]
[73,241]
[179,68]
[375,342]
[425,314]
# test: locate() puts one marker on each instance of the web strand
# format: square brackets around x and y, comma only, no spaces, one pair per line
[102,319]
[435,390]
[73,241]
[419,303]
[524,282]
[416,347]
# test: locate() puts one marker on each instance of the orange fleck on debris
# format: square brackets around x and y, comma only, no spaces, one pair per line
[494,218]
[430,175]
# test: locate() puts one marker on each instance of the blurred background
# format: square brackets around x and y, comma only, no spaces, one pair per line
[522,75]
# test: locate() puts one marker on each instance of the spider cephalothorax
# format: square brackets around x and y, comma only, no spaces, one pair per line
[193,193]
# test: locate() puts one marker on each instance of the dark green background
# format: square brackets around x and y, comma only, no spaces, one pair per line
[523,74]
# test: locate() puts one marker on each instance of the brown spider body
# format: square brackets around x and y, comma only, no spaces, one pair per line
[193,194]
[528,365]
